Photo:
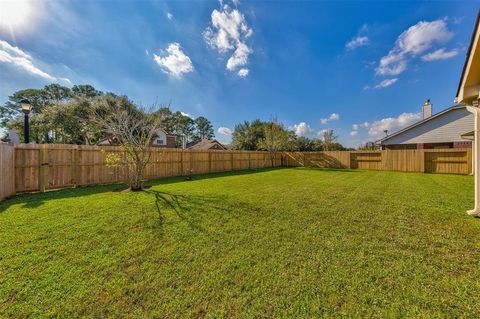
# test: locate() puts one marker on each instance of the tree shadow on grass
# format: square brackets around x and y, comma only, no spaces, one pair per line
[36,200]
[188,208]
[197,177]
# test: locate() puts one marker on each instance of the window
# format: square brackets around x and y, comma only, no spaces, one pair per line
[161,139]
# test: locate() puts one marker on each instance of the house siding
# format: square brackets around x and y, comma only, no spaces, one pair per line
[443,129]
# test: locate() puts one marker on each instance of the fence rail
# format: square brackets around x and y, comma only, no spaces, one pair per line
[29,167]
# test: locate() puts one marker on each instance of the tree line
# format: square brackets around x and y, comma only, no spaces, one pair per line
[253,135]
[68,115]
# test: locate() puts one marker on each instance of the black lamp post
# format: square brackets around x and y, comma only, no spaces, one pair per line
[26,107]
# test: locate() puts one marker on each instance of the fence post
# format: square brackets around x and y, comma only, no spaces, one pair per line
[422,160]
[181,162]
[43,170]
[231,161]
[209,161]
[76,168]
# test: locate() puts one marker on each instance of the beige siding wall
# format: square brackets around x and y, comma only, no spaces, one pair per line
[445,128]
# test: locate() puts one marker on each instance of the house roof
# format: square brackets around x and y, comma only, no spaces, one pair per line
[455,107]
[206,144]
[469,66]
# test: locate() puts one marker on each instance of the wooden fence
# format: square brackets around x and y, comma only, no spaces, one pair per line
[444,161]
[7,170]
[41,167]
[29,167]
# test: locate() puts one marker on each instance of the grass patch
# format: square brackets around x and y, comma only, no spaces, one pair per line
[275,243]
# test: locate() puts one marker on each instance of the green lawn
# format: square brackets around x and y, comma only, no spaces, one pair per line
[274,243]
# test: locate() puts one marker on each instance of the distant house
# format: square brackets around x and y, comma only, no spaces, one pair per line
[162,139]
[206,144]
[445,129]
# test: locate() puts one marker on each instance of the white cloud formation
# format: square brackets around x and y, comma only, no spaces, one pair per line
[169,16]
[186,114]
[301,129]
[356,42]
[439,54]
[386,83]
[228,32]
[356,127]
[332,117]
[224,131]
[176,62]
[392,124]
[412,42]
[16,57]
[243,72]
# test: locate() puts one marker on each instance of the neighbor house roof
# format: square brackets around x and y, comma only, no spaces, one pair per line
[469,84]
[455,107]
[206,144]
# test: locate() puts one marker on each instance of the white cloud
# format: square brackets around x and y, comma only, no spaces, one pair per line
[301,129]
[356,42]
[439,54]
[186,114]
[386,83]
[224,131]
[356,127]
[412,42]
[332,117]
[392,124]
[175,62]
[239,57]
[228,32]
[243,72]
[169,16]
[18,58]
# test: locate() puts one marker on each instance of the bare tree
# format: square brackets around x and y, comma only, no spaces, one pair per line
[329,138]
[276,138]
[133,129]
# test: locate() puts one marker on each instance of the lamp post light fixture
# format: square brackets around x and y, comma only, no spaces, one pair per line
[26,107]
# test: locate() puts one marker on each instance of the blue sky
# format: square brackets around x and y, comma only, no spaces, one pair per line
[355,67]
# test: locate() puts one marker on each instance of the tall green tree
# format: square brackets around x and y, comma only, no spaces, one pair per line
[275,140]
[203,128]
[248,135]
[183,128]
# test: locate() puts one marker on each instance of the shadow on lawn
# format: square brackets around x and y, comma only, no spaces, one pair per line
[198,177]
[36,200]
[188,208]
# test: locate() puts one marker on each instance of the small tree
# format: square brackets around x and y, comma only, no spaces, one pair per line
[329,139]
[276,138]
[134,130]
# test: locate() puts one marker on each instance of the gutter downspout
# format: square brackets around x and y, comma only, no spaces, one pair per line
[476,159]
